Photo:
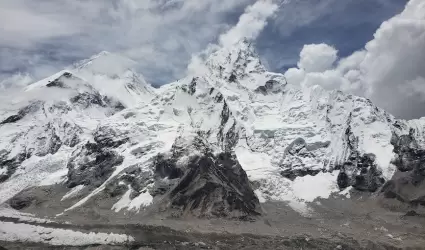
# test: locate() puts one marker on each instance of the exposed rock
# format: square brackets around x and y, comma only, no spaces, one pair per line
[106,136]
[162,186]
[271,86]
[294,153]
[116,105]
[409,155]
[10,164]
[31,108]
[192,86]
[91,165]
[232,77]
[411,213]
[215,186]
[197,181]
[86,100]
[134,177]
[21,201]
[229,138]
[298,147]
[50,143]
[218,98]
[72,133]
[115,189]
[407,184]
[59,108]
[359,171]
[292,174]
[59,82]
[167,167]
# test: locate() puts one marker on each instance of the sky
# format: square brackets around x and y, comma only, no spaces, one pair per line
[365,47]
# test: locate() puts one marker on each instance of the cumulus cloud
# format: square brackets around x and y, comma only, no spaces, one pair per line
[390,70]
[317,57]
[395,59]
[295,76]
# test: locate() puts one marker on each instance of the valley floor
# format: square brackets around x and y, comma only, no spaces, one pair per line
[330,224]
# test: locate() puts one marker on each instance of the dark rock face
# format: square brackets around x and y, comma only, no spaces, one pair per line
[20,201]
[133,177]
[300,149]
[271,86]
[59,108]
[215,186]
[85,100]
[59,82]
[91,165]
[292,174]
[205,184]
[50,143]
[116,105]
[407,184]
[10,164]
[218,98]
[32,108]
[409,155]
[232,77]
[109,137]
[228,139]
[359,171]
[74,131]
[192,86]
[166,168]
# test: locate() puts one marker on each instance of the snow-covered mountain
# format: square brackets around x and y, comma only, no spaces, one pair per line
[216,143]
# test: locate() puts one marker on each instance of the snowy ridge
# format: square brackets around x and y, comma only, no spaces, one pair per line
[103,129]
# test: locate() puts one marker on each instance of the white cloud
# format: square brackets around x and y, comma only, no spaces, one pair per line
[415,87]
[250,24]
[395,58]
[295,76]
[301,13]
[317,57]
[329,79]
[160,34]
[21,26]
[351,62]
[390,70]
[18,80]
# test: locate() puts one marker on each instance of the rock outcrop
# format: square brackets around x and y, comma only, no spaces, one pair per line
[407,184]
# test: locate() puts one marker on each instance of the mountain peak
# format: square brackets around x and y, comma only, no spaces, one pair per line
[240,58]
